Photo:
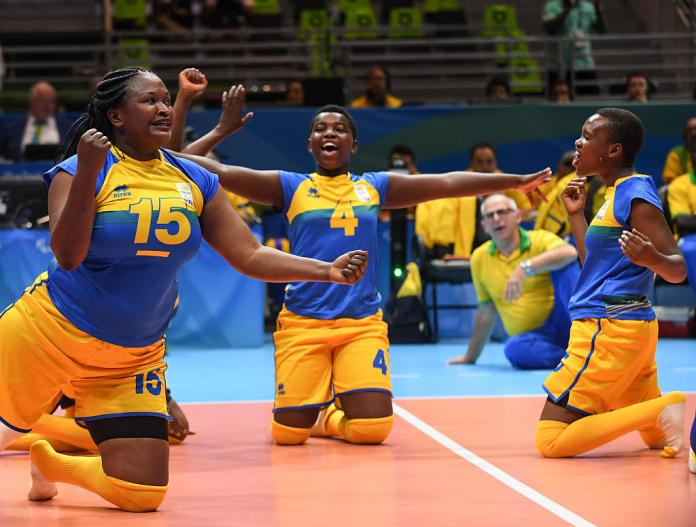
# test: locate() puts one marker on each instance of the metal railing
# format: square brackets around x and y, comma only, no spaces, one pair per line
[433,69]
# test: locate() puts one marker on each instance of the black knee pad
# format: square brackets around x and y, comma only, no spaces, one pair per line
[136,426]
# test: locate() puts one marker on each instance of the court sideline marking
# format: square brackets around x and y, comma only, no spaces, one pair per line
[492,470]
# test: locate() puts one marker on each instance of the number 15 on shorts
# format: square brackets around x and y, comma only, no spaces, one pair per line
[380,361]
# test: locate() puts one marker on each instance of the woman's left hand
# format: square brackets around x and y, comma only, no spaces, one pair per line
[233,117]
[348,268]
[638,248]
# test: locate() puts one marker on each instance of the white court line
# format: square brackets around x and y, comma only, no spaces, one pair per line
[492,470]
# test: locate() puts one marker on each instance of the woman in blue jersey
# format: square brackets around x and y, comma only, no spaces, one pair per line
[125,215]
[606,384]
[331,344]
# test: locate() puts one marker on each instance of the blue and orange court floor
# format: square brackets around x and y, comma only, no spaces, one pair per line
[461,454]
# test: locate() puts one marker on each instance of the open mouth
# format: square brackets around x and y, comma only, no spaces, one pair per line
[329,148]
[162,125]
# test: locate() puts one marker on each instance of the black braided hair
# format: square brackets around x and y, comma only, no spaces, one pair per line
[109,93]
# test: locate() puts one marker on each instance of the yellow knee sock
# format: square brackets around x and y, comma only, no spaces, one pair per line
[359,431]
[64,429]
[288,435]
[24,443]
[87,472]
[557,439]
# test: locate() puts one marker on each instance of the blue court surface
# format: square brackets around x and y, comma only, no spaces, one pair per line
[418,371]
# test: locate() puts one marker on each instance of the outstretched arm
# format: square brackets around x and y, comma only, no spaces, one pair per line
[406,191]
[259,186]
[224,230]
[650,243]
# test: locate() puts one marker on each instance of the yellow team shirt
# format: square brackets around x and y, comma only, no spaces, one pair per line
[389,102]
[435,221]
[682,195]
[678,162]
[491,270]
[552,215]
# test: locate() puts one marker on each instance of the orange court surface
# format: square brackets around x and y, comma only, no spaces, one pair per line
[479,469]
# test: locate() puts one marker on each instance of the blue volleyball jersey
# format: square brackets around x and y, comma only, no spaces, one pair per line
[145,229]
[327,217]
[610,285]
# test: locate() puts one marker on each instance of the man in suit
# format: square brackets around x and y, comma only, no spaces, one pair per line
[38,126]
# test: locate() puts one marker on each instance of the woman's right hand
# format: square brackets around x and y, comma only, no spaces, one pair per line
[574,195]
[91,152]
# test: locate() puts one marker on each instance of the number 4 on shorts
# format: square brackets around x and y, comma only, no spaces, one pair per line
[380,362]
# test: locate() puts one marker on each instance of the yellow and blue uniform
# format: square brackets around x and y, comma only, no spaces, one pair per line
[678,162]
[538,321]
[682,202]
[610,360]
[98,331]
[331,336]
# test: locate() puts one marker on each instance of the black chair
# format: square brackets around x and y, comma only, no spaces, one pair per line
[435,270]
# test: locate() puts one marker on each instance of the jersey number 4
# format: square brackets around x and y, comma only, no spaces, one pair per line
[344,218]
[167,214]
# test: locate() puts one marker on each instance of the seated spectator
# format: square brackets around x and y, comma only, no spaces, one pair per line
[637,87]
[484,159]
[560,92]
[552,215]
[526,277]
[377,89]
[498,90]
[682,206]
[449,227]
[294,93]
[680,159]
[406,155]
[38,127]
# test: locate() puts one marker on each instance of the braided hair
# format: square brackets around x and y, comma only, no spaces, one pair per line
[110,92]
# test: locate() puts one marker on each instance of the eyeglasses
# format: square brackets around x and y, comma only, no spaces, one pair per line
[502,213]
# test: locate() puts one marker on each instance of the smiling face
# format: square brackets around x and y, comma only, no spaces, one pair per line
[331,142]
[145,116]
[593,148]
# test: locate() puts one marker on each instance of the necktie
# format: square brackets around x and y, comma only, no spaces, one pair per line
[38,128]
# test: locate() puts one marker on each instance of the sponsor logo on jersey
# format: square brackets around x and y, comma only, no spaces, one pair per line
[122,192]
[186,193]
[362,192]
[313,192]
[601,211]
